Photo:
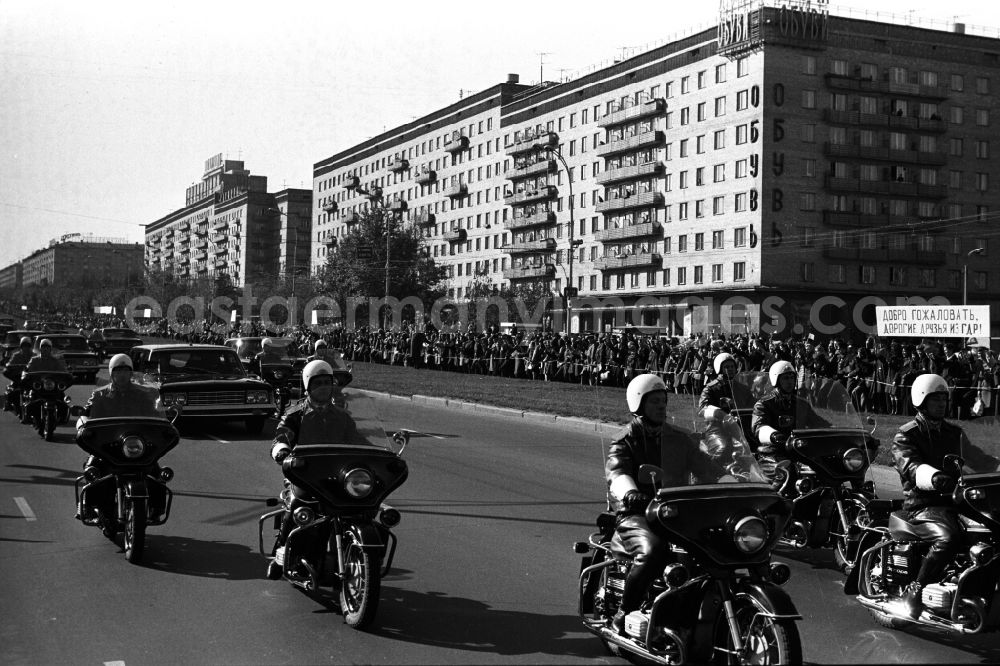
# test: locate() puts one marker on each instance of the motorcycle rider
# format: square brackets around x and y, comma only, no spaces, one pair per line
[320,351]
[647,439]
[122,397]
[15,366]
[918,449]
[718,399]
[269,354]
[45,361]
[315,418]
[777,414]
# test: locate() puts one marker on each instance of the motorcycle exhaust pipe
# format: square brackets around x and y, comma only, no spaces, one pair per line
[797,534]
[629,644]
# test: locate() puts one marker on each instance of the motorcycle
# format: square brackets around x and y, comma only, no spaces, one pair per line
[967,600]
[44,401]
[281,377]
[827,474]
[127,491]
[335,494]
[12,394]
[719,600]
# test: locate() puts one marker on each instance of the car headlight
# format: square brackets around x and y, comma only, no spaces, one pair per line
[256,397]
[854,459]
[750,534]
[133,446]
[49,384]
[359,483]
[169,399]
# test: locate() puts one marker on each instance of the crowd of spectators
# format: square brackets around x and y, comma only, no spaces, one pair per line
[876,372]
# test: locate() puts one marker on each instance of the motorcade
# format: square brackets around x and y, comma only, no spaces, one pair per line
[119,340]
[12,341]
[283,372]
[75,353]
[342,540]
[207,381]
[44,402]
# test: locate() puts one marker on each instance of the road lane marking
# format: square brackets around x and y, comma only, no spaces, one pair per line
[220,441]
[114,663]
[22,504]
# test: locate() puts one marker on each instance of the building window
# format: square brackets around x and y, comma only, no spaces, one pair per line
[741,168]
[807,201]
[739,271]
[699,144]
[807,236]
[717,240]
[699,242]
[701,111]
[720,73]
[982,85]
[869,71]
[809,168]
[983,117]
[682,243]
[957,82]
[685,115]
[807,272]
[837,273]
[681,275]
[742,100]
[718,205]
[702,79]
[717,272]
[741,134]
[956,115]
[742,67]
[739,237]
[685,85]
[838,67]
[720,106]
[720,139]
[928,277]
[699,274]
[699,208]
[983,149]
[867,275]
[666,277]
[809,133]
[868,105]
[740,202]
[982,182]
[808,99]
[682,210]
[809,65]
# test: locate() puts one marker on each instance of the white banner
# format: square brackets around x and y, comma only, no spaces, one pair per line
[933,321]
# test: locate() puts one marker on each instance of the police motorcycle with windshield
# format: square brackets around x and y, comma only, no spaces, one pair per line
[340,543]
[826,471]
[44,401]
[718,599]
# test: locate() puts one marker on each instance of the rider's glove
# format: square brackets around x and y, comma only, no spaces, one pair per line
[281,454]
[635,502]
[779,439]
[942,482]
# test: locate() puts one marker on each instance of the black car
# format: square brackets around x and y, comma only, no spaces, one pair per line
[75,353]
[12,340]
[206,381]
[119,340]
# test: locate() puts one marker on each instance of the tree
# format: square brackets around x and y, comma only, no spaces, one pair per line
[356,268]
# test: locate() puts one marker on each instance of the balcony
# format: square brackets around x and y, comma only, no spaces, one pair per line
[531,140]
[456,191]
[184,247]
[642,110]
[202,266]
[220,224]
[350,217]
[222,247]
[330,242]
[426,177]
[543,193]
[855,220]
[625,261]
[399,164]
[539,167]
[631,172]
[540,271]
[629,231]
[426,219]
[882,120]
[200,255]
[352,182]
[456,143]
[841,253]
[331,208]
[530,247]
[456,236]
[538,219]
[201,243]
[634,201]
[846,82]
[184,259]
[635,142]
[398,206]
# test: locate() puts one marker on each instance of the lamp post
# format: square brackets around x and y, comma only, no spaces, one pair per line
[573,244]
[376,196]
[965,273]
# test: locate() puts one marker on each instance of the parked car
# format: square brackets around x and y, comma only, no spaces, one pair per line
[206,381]
[119,340]
[75,353]
[13,339]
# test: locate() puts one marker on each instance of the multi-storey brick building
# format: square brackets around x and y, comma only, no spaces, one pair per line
[230,225]
[75,260]
[745,174]
[11,276]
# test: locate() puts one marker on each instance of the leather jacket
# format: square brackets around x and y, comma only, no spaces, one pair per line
[46,364]
[636,445]
[311,424]
[918,450]
[784,414]
[135,400]
[726,395]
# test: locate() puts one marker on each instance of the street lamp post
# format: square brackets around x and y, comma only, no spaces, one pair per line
[573,244]
[376,197]
[965,273]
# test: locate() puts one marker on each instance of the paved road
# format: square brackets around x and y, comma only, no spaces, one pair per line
[484,573]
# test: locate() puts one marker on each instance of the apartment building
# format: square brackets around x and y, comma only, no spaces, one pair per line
[11,276]
[79,260]
[739,175]
[231,226]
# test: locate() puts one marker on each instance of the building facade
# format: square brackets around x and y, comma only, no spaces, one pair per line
[87,261]
[11,276]
[787,169]
[230,226]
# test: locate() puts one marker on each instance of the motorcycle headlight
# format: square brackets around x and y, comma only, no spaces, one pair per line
[303,515]
[133,446]
[359,483]
[279,374]
[61,386]
[750,534]
[49,384]
[854,460]
[36,385]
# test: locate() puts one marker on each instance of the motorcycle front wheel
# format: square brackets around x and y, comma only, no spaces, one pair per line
[135,529]
[360,583]
[765,640]
[50,425]
[845,550]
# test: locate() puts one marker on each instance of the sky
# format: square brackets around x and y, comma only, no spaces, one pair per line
[108,110]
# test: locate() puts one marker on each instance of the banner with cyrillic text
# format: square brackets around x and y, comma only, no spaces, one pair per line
[933,321]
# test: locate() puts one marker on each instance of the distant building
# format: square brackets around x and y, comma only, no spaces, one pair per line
[230,225]
[76,260]
[783,156]
[11,276]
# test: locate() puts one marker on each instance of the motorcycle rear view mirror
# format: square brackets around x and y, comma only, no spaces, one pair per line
[649,474]
[954,462]
[173,413]
[400,438]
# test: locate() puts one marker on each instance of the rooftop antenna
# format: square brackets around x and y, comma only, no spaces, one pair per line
[562,75]
[541,65]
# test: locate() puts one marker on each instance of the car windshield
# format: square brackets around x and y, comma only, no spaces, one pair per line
[119,333]
[197,361]
[247,348]
[69,343]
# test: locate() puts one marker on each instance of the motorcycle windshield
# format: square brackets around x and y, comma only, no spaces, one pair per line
[345,456]
[128,441]
[824,426]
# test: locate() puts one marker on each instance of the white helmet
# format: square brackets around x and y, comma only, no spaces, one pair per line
[639,388]
[313,369]
[779,368]
[924,385]
[265,343]
[720,359]
[320,344]
[119,360]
